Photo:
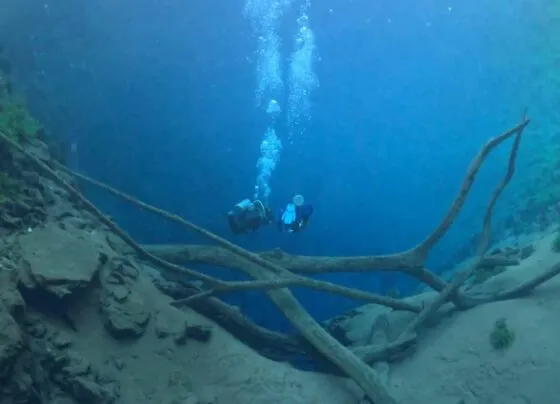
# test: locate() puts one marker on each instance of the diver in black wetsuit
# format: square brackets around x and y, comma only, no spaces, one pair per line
[248,216]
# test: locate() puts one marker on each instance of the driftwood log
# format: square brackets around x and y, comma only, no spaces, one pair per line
[275,271]
[214,255]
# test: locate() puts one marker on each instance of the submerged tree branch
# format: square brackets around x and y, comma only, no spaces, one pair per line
[425,246]
[397,304]
[319,338]
[274,271]
[452,288]
[183,254]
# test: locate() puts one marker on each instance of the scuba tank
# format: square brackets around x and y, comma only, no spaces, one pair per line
[244,205]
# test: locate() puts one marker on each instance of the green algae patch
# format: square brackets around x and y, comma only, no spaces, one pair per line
[15,119]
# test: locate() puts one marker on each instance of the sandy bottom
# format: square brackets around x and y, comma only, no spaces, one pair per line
[223,370]
[454,360]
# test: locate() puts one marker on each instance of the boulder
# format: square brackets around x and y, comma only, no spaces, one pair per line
[123,309]
[58,261]
[124,319]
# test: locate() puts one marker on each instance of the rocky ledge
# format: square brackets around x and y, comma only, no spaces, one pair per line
[64,286]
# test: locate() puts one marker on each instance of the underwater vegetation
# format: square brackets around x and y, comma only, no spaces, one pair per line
[15,118]
[17,123]
[501,337]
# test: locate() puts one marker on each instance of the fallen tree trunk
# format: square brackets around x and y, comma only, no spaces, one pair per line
[183,254]
[271,276]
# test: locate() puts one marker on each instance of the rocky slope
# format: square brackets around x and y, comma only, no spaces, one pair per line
[81,321]
[67,296]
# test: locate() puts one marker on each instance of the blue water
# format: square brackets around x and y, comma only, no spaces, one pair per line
[159,98]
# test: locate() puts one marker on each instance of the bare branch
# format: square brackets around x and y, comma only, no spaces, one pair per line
[397,304]
[272,271]
[473,299]
[424,247]
[452,288]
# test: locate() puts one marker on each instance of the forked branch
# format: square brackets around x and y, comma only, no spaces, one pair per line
[273,271]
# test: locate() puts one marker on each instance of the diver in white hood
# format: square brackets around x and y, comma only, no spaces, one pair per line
[295,215]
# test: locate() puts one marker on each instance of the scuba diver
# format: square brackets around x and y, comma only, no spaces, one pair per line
[295,216]
[248,216]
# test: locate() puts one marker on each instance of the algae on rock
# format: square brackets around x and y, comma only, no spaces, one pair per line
[15,119]
[18,123]
[501,337]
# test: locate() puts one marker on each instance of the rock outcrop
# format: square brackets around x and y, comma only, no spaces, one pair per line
[57,261]
[123,310]
[49,370]
[74,312]
[63,275]
[37,362]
